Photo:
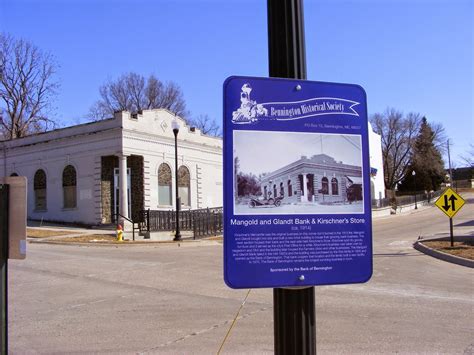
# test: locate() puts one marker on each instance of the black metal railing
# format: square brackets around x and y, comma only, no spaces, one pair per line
[406,199]
[203,222]
[117,221]
[154,221]
[207,222]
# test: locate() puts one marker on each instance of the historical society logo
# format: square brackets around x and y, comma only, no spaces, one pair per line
[250,111]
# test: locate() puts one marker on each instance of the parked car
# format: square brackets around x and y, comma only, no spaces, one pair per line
[255,202]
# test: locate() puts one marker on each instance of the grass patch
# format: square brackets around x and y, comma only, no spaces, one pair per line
[90,238]
[44,233]
[462,249]
[216,238]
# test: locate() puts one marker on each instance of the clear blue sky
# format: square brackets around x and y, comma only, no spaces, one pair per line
[414,55]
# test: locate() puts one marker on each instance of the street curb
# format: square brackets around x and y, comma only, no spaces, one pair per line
[129,243]
[418,245]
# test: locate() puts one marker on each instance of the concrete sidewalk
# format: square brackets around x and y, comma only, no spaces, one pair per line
[72,231]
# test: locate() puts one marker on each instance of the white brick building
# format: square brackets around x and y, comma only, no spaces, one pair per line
[74,173]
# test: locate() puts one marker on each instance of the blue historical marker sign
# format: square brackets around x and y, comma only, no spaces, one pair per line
[296,183]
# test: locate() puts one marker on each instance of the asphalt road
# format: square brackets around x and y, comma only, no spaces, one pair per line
[172,300]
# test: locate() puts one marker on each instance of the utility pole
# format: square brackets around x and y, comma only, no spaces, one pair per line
[451,178]
[293,309]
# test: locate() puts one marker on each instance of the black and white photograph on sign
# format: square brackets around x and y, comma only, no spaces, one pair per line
[297,173]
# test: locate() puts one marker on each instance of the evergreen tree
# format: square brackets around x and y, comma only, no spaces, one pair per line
[426,162]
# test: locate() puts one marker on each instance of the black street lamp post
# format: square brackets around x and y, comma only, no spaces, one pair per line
[414,182]
[175,125]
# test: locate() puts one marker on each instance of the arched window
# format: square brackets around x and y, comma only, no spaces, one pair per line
[325,186]
[39,185]
[334,186]
[69,187]
[290,189]
[164,185]
[184,185]
[282,190]
[13,174]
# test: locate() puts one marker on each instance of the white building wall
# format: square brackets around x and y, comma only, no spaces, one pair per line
[375,151]
[150,134]
[78,146]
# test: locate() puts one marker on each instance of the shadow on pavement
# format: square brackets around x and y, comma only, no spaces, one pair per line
[466,224]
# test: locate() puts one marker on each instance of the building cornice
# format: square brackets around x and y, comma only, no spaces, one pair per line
[307,164]
[169,142]
[69,141]
[21,143]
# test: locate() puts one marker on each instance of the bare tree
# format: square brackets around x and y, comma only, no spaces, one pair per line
[439,136]
[206,125]
[468,157]
[26,87]
[398,134]
[132,92]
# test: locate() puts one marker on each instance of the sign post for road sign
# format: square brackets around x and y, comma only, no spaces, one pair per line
[450,203]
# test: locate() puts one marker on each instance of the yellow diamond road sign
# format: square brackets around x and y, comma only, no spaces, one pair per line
[450,202]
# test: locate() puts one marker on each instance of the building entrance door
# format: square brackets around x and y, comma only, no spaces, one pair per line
[117,192]
[310,186]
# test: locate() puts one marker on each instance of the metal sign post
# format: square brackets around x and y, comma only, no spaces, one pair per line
[4,194]
[451,231]
[297,209]
[450,203]
[294,310]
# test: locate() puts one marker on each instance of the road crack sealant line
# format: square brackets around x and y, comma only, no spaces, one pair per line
[78,305]
[233,322]
[90,303]
[213,327]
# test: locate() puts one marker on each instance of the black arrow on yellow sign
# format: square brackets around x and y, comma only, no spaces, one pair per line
[446,205]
